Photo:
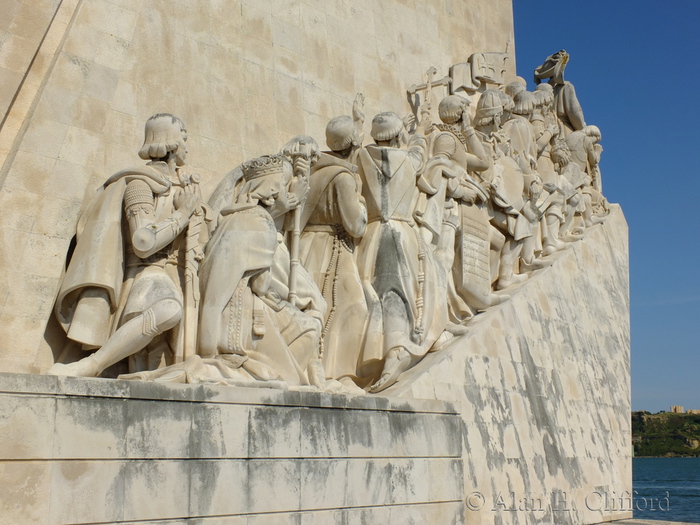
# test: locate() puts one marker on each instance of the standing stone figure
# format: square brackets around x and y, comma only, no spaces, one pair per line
[546,130]
[566,104]
[333,221]
[506,183]
[131,283]
[463,247]
[247,314]
[395,264]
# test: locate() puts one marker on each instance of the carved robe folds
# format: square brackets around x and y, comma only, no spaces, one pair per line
[244,300]
[334,217]
[106,284]
[396,266]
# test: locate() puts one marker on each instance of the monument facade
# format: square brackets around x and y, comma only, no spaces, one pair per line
[277,263]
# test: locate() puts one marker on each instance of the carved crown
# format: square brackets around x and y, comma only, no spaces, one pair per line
[261,166]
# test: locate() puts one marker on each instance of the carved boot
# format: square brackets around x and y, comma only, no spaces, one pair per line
[86,367]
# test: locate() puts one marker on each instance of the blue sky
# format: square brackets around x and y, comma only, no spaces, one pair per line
[636,69]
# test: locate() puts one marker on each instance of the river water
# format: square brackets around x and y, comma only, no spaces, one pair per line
[666,489]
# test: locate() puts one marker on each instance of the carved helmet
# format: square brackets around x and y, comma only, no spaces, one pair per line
[489,104]
[386,126]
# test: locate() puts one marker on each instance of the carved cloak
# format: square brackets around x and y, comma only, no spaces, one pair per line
[99,258]
[392,256]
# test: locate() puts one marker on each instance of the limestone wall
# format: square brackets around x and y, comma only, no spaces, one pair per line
[244,75]
[103,451]
[23,26]
[542,383]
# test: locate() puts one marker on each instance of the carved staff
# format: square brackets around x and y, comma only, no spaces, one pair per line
[427,87]
[303,150]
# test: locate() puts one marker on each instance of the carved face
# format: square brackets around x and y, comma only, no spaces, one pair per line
[270,190]
[181,152]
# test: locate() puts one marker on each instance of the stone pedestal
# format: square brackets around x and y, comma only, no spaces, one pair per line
[105,451]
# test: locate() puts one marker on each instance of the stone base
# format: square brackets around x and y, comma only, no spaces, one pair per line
[78,451]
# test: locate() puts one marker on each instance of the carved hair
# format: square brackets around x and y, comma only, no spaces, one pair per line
[341,133]
[164,134]
[544,94]
[523,103]
[514,88]
[302,145]
[386,126]
[506,101]
[451,108]
[592,131]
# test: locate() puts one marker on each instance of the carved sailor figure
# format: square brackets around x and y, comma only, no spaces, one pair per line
[333,221]
[395,264]
[463,246]
[566,104]
[506,184]
[131,281]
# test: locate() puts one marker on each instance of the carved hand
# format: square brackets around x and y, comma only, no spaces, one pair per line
[186,199]
[358,106]
[408,120]
[425,122]
[298,191]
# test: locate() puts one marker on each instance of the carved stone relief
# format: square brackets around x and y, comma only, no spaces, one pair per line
[332,270]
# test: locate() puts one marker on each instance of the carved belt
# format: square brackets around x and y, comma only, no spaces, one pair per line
[160,258]
[333,229]
[409,220]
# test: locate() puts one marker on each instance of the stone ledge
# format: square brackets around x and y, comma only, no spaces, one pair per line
[109,451]
[218,394]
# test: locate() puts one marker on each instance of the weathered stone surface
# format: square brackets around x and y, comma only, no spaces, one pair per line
[105,451]
[542,384]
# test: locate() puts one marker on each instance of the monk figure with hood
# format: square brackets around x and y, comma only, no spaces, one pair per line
[333,221]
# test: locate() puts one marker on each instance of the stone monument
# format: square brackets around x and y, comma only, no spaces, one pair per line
[426,322]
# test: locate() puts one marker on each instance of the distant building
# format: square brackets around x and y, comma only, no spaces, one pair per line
[694,411]
[677,409]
